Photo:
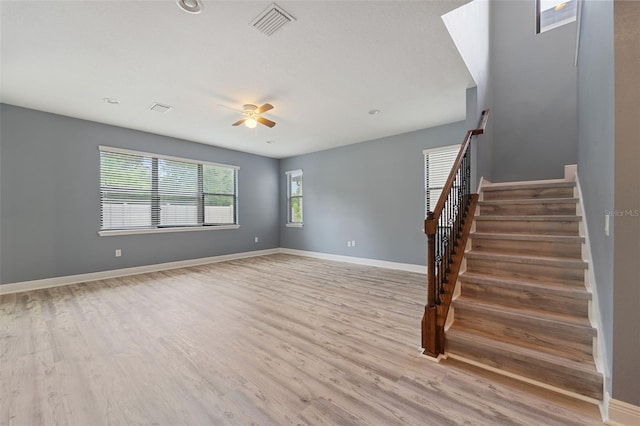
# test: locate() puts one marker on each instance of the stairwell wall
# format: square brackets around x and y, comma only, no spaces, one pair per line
[596,152]
[534,95]
[469,27]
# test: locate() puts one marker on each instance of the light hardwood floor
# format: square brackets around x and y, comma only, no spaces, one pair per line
[272,340]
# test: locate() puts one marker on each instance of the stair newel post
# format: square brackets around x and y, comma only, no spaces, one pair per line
[430,318]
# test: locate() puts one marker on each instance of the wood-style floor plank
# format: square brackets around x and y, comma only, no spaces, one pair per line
[273,340]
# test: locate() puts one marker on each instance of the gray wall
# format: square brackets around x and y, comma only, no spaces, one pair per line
[534,95]
[478,99]
[626,319]
[371,192]
[596,149]
[50,199]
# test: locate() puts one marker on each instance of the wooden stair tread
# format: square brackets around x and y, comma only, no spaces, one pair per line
[550,319]
[547,287]
[582,370]
[571,356]
[528,260]
[501,186]
[528,201]
[531,218]
[528,237]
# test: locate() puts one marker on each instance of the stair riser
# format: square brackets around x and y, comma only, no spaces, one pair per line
[527,227]
[533,248]
[526,193]
[529,209]
[528,272]
[534,334]
[572,380]
[526,298]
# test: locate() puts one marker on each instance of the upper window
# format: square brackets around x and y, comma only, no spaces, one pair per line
[437,166]
[140,191]
[552,14]
[294,198]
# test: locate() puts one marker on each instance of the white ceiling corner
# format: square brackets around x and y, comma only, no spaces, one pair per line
[323,72]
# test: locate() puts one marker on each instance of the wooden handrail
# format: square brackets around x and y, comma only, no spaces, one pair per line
[451,230]
[437,211]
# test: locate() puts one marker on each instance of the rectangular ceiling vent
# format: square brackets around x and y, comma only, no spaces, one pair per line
[160,108]
[271,20]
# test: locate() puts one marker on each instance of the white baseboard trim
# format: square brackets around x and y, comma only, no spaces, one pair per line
[408,267]
[623,414]
[595,315]
[114,273]
[570,172]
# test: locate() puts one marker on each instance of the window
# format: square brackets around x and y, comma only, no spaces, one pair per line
[142,192]
[294,198]
[552,14]
[437,166]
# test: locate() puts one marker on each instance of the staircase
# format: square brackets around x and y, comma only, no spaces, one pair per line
[523,305]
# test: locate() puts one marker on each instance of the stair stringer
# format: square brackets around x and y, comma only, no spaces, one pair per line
[463,266]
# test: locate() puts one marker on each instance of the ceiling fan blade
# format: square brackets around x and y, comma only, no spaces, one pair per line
[265,121]
[239,122]
[264,108]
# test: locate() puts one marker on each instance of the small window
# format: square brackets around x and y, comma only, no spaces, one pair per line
[294,198]
[141,191]
[438,163]
[552,14]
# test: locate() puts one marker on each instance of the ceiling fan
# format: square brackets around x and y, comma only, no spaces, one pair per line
[253,116]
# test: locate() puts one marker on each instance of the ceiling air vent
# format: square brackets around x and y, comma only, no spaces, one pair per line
[271,20]
[160,108]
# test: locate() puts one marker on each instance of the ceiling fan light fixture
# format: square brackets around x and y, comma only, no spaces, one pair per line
[190,6]
[251,123]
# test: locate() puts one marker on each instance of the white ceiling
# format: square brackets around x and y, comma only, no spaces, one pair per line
[322,72]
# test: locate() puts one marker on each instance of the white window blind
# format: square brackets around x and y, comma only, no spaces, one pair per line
[178,194]
[552,14]
[294,197]
[149,191]
[437,166]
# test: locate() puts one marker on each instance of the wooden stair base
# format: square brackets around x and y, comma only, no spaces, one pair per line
[523,306]
[546,368]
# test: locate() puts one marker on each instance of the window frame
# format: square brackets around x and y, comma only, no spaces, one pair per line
[290,223]
[155,226]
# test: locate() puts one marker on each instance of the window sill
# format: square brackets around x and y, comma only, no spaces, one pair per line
[294,225]
[166,230]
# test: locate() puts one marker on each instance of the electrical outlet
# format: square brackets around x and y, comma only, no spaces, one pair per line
[255,240]
[353,243]
[348,243]
[118,252]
